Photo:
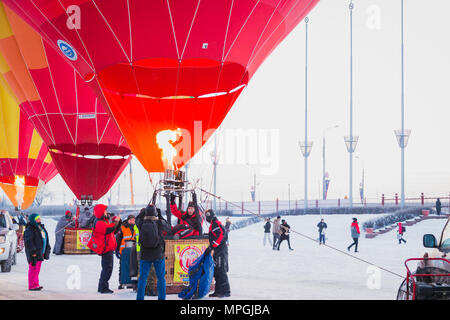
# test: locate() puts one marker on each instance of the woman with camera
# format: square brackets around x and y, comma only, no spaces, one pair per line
[103,242]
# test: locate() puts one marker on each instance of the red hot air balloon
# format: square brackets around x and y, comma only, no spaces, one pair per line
[85,144]
[165,64]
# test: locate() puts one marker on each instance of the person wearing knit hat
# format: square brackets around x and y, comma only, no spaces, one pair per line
[103,242]
[189,222]
[64,222]
[150,246]
[37,249]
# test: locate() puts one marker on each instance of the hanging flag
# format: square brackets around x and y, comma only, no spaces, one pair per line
[361,189]
[327,184]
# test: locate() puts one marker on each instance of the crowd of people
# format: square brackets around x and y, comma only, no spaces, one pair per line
[137,242]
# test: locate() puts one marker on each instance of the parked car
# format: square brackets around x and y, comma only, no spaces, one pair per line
[8,241]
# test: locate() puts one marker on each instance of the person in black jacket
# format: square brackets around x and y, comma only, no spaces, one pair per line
[37,249]
[218,245]
[322,227]
[267,232]
[438,206]
[151,247]
[284,227]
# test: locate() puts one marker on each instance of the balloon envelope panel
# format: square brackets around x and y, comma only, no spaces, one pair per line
[84,142]
[198,54]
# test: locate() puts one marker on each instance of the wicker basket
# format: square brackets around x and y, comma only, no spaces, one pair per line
[70,242]
[173,286]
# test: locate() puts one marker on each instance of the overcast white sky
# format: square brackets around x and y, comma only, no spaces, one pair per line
[274,101]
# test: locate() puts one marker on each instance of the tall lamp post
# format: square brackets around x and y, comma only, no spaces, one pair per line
[402,134]
[324,187]
[351,140]
[215,160]
[306,146]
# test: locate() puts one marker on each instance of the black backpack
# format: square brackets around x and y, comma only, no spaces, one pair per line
[403,229]
[149,235]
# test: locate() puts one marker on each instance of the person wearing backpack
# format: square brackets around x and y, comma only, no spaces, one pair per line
[103,242]
[151,247]
[400,232]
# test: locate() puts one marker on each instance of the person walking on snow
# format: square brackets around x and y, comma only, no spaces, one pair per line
[218,245]
[284,227]
[151,247]
[354,231]
[276,232]
[322,228]
[438,206]
[65,221]
[37,249]
[400,231]
[103,242]
[267,232]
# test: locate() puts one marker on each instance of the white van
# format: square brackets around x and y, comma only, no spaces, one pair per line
[8,241]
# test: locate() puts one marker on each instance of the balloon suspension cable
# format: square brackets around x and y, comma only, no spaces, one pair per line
[305,236]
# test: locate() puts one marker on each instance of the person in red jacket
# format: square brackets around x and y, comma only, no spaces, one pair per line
[189,222]
[400,233]
[103,242]
[354,230]
[218,237]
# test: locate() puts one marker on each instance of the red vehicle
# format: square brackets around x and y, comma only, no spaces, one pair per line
[431,279]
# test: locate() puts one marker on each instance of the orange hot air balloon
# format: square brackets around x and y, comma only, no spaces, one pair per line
[86,146]
[165,64]
[25,164]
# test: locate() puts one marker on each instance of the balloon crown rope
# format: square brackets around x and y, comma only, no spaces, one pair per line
[304,236]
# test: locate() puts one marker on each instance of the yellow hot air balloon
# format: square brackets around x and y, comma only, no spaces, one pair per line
[25,164]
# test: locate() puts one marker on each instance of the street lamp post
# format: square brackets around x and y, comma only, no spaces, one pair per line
[214,158]
[402,134]
[351,140]
[306,146]
[324,188]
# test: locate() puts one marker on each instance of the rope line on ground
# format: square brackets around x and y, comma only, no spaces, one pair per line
[308,237]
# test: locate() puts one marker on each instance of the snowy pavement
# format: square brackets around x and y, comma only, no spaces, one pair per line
[256,272]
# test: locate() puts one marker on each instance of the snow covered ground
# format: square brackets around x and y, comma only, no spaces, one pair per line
[256,272]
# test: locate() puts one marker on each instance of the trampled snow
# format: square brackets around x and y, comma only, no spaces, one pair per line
[256,271]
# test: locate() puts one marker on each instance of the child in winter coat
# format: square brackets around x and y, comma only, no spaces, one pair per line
[37,249]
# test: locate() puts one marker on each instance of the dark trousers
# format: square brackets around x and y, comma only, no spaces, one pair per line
[355,242]
[107,269]
[222,285]
[321,238]
[282,239]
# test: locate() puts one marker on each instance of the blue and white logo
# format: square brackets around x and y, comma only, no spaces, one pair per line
[67,49]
